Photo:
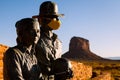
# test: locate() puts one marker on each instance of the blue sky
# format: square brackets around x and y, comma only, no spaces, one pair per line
[95,20]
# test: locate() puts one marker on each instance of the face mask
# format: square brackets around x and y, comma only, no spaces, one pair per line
[54,24]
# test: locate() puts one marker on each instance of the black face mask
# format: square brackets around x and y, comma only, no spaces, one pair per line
[61,69]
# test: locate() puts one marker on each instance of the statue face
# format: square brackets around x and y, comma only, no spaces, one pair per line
[32,34]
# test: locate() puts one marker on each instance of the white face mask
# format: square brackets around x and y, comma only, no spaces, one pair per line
[54,24]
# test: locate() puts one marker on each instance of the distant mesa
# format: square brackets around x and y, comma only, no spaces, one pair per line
[79,49]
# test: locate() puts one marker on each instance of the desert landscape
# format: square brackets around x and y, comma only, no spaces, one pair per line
[85,64]
[94,67]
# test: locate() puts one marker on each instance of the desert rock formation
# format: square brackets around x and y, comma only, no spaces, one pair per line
[3,48]
[79,49]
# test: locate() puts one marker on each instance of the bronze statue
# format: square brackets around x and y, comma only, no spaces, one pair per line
[20,62]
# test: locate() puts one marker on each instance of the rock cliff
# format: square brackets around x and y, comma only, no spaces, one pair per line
[3,48]
[79,49]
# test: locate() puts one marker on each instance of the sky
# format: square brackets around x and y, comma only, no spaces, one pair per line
[95,20]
